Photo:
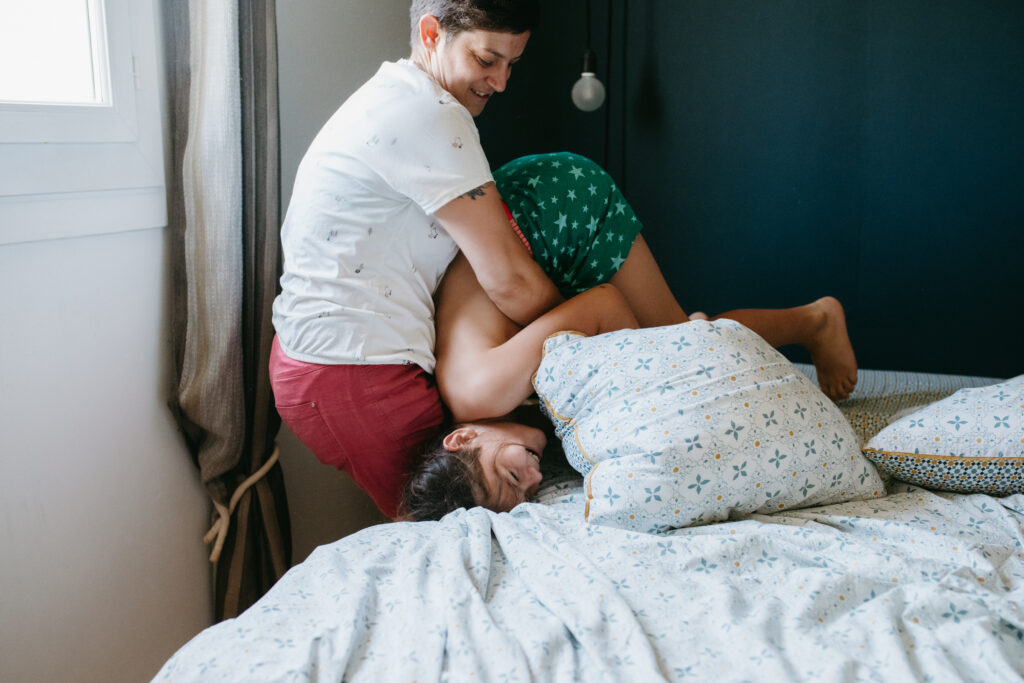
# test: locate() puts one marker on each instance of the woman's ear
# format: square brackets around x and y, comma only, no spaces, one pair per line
[430,31]
[459,438]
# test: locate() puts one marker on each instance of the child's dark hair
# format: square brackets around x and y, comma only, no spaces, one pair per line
[441,481]
[455,16]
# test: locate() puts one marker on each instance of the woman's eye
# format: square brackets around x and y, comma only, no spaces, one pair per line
[514,476]
[484,63]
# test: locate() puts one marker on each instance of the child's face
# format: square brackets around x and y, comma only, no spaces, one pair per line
[509,462]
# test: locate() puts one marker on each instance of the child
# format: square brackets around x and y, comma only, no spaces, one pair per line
[581,231]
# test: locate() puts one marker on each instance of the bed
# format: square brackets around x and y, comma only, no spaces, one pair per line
[913,584]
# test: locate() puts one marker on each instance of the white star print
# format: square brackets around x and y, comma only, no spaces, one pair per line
[617,262]
[561,222]
[534,181]
[576,172]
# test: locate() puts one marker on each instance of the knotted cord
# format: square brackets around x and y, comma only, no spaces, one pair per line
[219,530]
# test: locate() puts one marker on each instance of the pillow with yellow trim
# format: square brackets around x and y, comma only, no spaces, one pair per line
[972,442]
[695,423]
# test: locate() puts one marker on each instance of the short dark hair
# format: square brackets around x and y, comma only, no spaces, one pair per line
[441,481]
[455,16]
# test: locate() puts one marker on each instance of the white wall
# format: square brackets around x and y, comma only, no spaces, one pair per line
[327,49]
[102,568]
[103,573]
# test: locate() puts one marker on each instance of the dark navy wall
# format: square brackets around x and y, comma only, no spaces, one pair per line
[781,150]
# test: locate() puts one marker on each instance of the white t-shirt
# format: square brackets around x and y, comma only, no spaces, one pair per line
[363,253]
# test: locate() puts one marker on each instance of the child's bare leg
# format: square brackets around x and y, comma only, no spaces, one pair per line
[820,327]
[640,281]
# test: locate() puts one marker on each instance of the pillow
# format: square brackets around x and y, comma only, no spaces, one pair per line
[972,441]
[695,423]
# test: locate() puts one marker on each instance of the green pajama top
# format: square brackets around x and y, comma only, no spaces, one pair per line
[579,226]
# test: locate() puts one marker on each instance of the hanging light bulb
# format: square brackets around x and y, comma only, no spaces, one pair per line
[588,92]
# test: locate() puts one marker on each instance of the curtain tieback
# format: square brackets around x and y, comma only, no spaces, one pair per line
[219,530]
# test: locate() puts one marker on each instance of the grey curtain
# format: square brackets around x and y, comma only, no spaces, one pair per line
[224,202]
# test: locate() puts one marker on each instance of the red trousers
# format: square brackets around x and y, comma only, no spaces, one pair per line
[367,420]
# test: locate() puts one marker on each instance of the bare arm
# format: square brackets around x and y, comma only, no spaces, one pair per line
[505,271]
[485,362]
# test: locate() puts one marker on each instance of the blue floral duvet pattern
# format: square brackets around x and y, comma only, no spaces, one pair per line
[914,586]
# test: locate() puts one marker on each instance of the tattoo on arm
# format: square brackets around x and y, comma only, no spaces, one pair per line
[478,191]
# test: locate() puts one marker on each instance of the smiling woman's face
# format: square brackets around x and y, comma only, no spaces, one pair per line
[473,65]
[509,461]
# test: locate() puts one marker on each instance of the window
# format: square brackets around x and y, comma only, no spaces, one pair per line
[80,138]
[59,50]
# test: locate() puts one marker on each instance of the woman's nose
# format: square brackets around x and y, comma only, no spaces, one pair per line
[499,80]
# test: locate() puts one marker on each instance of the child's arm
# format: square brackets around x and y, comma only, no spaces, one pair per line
[484,365]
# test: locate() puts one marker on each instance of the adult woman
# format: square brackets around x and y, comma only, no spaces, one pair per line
[584,234]
[391,188]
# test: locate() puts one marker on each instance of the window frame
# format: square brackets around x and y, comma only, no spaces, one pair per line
[70,170]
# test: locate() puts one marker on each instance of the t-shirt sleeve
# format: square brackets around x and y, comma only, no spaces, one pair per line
[432,152]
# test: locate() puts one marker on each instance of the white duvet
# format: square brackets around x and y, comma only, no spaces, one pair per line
[915,586]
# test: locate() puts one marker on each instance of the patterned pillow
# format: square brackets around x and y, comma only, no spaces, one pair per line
[971,442]
[695,423]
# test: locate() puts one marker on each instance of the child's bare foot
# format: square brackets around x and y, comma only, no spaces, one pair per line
[831,350]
